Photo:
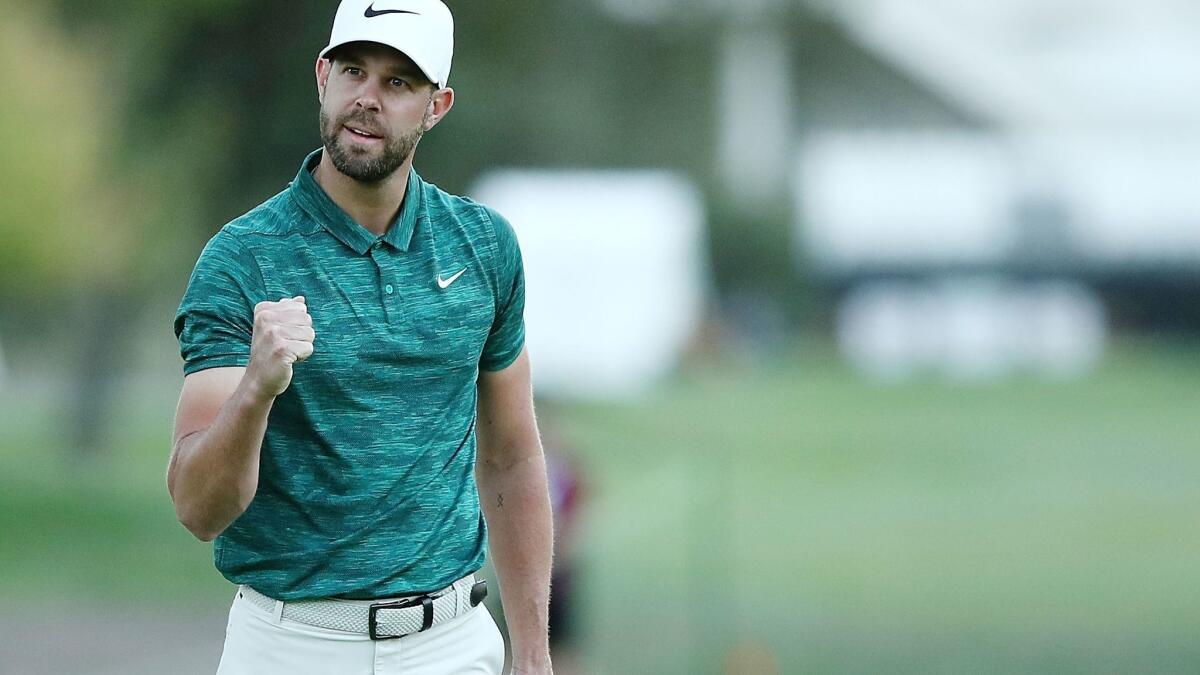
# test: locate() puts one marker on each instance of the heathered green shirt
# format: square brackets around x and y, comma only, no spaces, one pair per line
[366,482]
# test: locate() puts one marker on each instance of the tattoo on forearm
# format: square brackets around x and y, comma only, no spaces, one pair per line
[500,500]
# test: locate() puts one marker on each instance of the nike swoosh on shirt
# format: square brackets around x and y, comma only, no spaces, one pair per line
[372,12]
[443,283]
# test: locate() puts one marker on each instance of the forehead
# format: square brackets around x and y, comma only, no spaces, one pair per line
[377,55]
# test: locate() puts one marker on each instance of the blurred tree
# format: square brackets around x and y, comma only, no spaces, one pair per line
[52,133]
[65,241]
[82,237]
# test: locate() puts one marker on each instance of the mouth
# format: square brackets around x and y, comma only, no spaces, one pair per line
[361,135]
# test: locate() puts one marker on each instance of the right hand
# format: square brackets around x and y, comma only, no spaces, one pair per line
[282,335]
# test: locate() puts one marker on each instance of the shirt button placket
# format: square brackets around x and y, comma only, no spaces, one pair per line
[390,299]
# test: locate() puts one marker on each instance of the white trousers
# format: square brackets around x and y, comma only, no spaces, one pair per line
[257,642]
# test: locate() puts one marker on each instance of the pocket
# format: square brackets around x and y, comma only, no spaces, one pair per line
[233,607]
[235,629]
[494,639]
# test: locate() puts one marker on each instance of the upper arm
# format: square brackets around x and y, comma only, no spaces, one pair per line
[506,427]
[215,319]
[203,394]
[507,335]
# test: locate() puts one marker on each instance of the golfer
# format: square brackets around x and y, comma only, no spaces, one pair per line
[356,430]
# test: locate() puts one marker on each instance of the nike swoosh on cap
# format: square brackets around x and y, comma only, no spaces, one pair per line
[372,12]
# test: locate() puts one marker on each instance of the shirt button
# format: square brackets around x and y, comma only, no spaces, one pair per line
[388,289]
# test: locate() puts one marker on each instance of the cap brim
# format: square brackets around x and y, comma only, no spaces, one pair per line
[334,45]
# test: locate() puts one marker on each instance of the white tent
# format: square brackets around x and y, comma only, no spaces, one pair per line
[616,273]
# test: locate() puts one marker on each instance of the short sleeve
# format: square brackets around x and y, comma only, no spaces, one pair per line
[215,319]
[507,336]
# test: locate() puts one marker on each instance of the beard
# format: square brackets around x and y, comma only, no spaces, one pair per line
[359,163]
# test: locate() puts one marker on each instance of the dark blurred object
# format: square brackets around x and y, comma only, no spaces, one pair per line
[103,356]
[566,495]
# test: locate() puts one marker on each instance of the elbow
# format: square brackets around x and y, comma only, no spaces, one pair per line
[205,536]
[189,517]
[206,521]
[201,528]
[202,514]
[505,458]
[200,519]
[202,533]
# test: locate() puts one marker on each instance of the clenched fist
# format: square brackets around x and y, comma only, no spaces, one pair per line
[283,334]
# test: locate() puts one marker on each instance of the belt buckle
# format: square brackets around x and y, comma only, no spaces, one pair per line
[424,601]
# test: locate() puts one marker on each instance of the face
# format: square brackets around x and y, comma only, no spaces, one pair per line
[375,105]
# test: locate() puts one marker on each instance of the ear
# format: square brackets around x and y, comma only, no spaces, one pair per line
[324,67]
[440,104]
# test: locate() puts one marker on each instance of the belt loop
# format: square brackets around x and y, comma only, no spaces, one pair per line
[278,611]
[427,610]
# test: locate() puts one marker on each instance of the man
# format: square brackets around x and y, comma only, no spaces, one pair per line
[357,395]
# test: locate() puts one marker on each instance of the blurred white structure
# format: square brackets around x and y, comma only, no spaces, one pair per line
[915,199]
[908,200]
[616,273]
[1131,198]
[1029,65]
[1092,106]
[971,330]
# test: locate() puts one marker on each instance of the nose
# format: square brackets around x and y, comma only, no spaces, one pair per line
[368,97]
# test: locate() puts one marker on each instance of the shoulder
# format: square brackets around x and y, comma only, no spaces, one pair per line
[232,248]
[479,219]
[225,250]
[278,216]
[226,261]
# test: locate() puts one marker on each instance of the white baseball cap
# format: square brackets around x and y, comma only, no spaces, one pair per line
[422,29]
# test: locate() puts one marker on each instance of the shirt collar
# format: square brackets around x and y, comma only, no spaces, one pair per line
[320,207]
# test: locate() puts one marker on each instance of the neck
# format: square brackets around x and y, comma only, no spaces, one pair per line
[372,205]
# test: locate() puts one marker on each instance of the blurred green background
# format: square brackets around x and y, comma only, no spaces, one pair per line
[835,525]
[766,508]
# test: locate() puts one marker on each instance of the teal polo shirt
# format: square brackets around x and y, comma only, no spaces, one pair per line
[366,482]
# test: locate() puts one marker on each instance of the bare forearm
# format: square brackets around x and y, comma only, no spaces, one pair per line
[213,473]
[516,503]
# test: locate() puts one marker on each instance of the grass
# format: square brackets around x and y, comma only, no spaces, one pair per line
[96,528]
[792,515]
[846,527]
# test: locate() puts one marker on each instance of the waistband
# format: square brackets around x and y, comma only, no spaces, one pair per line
[379,619]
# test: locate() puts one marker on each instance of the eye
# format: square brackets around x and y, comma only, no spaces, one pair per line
[352,70]
[397,82]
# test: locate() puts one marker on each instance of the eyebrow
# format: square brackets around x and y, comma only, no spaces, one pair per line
[406,70]
[409,70]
